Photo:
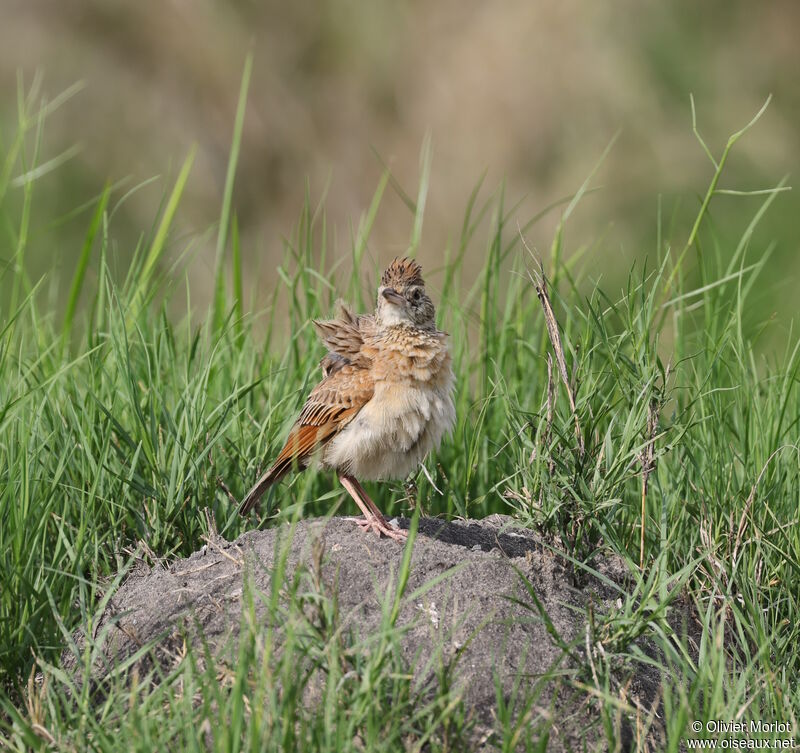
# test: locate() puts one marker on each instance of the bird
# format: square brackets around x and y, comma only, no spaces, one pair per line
[385,399]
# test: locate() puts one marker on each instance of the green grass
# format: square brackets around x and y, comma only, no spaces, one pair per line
[121,424]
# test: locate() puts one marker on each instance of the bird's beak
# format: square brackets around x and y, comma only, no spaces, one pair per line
[391,295]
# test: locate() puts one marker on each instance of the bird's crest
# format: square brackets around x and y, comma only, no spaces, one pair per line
[401,273]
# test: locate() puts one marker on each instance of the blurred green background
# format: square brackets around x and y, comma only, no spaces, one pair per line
[530,93]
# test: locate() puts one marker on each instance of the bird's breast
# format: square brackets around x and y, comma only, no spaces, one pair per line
[405,419]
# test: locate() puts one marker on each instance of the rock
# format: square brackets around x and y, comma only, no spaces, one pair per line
[480,614]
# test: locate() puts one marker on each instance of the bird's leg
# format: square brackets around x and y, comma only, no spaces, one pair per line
[354,490]
[373,518]
[362,492]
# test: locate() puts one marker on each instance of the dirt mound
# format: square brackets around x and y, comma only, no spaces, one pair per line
[480,614]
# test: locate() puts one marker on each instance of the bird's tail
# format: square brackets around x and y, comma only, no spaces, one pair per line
[274,474]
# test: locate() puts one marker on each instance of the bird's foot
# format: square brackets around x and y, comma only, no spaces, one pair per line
[373,519]
[380,526]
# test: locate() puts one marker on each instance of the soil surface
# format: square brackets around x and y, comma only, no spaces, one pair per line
[480,616]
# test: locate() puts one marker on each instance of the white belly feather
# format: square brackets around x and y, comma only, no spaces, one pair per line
[395,430]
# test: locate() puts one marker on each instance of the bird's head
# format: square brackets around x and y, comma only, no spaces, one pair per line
[402,298]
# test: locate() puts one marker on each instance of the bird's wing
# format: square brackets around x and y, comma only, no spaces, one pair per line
[331,363]
[332,404]
[344,334]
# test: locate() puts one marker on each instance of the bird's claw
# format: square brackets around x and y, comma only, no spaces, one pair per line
[380,527]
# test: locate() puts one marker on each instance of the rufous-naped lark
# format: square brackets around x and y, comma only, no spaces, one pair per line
[385,400]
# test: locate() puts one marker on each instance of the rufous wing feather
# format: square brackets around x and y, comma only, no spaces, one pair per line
[344,334]
[332,404]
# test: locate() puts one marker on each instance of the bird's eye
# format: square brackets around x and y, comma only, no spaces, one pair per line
[416,295]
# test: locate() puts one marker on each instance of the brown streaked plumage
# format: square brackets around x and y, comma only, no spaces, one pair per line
[385,399]
[343,336]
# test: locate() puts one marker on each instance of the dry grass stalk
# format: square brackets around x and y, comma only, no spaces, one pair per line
[751,498]
[647,460]
[647,456]
[228,493]
[540,285]
[551,399]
